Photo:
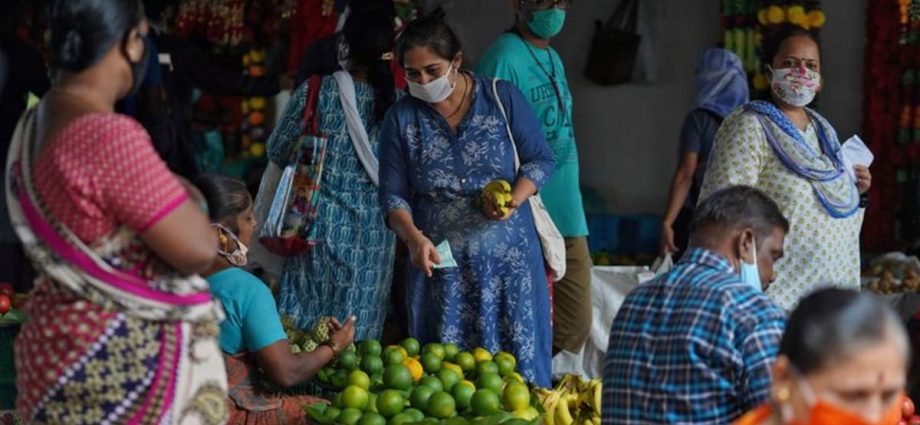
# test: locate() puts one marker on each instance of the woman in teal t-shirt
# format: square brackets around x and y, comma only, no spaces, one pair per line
[251,336]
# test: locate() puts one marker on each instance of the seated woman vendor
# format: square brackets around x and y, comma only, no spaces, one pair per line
[254,343]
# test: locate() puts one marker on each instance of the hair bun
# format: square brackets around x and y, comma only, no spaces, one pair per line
[69,51]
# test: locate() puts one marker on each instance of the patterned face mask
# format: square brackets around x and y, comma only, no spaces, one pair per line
[795,86]
[238,256]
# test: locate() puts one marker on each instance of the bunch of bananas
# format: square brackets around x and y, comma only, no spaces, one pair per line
[573,401]
[497,192]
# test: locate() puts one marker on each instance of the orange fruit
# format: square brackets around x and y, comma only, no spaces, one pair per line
[441,405]
[485,403]
[390,403]
[354,397]
[516,397]
[415,368]
[397,377]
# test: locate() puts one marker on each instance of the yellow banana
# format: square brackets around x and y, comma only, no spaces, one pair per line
[596,420]
[549,409]
[561,414]
[598,390]
[588,421]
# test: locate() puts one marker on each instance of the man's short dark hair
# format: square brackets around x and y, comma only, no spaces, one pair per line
[739,207]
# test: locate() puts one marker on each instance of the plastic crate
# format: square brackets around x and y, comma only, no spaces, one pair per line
[603,233]
[7,367]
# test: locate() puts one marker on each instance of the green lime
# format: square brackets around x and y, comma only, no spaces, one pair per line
[401,419]
[451,351]
[466,361]
[393,356]
[359,378]
[337,401]
[490,381]
[390,403]
[372,364]
[415,413]
[349,417]
[516,397]
[434,348]
[431,382]
[441,405]
[347,360]
[339,378]
[411,345]
[372,419]
[355,397]
[419,397]
[463,393]
[505,362]
[397,377]
[332,412]
[371,403]
[431,362]
[458,420]
[486,366]
[485,402]
[370,348]
[449,378]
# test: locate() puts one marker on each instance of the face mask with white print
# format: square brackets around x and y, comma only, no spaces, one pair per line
[238,256]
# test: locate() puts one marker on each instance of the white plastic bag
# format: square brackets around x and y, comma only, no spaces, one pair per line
[609,288]
[259,256]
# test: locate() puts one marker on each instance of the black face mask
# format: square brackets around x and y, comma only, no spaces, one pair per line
[138,69]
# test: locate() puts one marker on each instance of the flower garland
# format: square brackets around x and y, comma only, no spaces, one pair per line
[255,114]
[745,23]
[887,114]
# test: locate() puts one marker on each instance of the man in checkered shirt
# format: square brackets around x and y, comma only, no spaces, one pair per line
[695,345]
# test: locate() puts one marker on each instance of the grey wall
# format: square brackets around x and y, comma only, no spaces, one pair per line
[627,135]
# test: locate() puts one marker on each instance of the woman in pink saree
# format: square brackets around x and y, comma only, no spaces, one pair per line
[121,328]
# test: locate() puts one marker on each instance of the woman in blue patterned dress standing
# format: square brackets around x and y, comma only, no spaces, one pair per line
[351,268]
[440,147]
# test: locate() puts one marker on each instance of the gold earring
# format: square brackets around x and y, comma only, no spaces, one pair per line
[783,394]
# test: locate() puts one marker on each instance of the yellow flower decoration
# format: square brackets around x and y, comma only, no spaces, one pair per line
[762,16]
[775,15]
[760,82]
[796,15]
[816,19]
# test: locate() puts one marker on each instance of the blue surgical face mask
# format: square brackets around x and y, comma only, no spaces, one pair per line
[750,273]
[547,23]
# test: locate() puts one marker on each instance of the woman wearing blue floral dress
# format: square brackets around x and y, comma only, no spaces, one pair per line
[350,270]
[439,148]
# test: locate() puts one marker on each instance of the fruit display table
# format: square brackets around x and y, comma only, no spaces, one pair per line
[609,287]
